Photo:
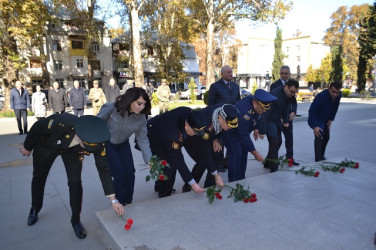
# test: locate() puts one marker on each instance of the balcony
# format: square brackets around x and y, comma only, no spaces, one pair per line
[34,72]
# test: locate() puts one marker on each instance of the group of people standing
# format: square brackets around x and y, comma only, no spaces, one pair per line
[226,122]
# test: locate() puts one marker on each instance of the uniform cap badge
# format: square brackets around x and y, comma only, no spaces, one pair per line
[205,136]
[175,145]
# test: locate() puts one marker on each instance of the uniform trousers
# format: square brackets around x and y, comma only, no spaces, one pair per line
[21,113]
[287,132]
[96,109]
[320,144]
[43,159]
[120,161]
[275,143]
[237,157]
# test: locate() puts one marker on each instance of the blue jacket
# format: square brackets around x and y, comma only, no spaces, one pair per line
[77,98]
[247,122]
[219,93]
[323,109]
[19,101]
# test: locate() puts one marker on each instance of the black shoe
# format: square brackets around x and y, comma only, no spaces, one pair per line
[272,170]
[20,133]
[295,163]
[79,230]
[186,188]
[221,168]
[26,132]
[33,217]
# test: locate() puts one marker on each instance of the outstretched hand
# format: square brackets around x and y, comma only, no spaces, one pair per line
[24,151]
[119,209]
[196,188]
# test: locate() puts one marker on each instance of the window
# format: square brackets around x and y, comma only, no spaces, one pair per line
[56,45]
[80,63]
[122,64]
[77,44]
[95,47]
[58,65]
[60,81]
[150,51]
[124,46]
[95,64]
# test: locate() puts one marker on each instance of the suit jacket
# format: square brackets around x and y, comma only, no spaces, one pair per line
[219,93]
[57,100]
[77,98]
[19,101]
[56,132]
[294,103]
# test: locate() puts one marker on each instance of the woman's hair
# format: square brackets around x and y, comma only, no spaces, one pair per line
[123,102]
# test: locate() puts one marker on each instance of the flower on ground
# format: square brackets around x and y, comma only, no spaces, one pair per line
[245,200]
[356,165]
[342,170]
[290,162]
[241,194]
[218,196]
[130,221]
[127,226]
[317,173]
[213,193]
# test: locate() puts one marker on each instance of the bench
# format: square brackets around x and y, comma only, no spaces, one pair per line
[304,96]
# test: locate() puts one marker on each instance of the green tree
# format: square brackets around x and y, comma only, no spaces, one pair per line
[192,86]
[212,16]
[337,64]
[312,75]
[325,69]
[367,43]
[344,30]
[21,28]
[278,55]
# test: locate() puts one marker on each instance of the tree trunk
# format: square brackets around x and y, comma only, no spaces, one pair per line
[209,54]
[9,76]
[136,43]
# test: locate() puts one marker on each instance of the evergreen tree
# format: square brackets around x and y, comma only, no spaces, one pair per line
[278,55]
[367,43]
[337,64]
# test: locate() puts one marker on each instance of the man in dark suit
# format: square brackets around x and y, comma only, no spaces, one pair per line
[287,131]
[57,99]
[276,119]
[20,104]
[71,138]
[77,99]
[223,91]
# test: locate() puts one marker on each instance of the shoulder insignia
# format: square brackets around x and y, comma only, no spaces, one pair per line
[103,153]
[251,111]
[181,137]
[67,136]
[81,158]
[50,123]
[175,145]
[205,136]
[211,127]
[245,116]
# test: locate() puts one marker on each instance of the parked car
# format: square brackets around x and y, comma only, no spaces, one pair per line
[244,93]
[186,93]
[2,99]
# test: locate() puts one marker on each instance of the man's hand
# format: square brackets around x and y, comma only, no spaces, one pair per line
[255,134]
[196,188]
[119,209]
[218,180]
[24,151]
[286,125]
[217,147]
[257,155]
[291,116]
[329,124]
[317,131]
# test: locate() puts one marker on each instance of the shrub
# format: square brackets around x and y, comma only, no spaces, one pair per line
[346,92]
[206,97]
[10,113]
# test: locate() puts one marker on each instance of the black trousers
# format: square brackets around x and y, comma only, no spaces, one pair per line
[21,113]
[320,144]
[78,112]
[43,158]
[287,132]
[275,143]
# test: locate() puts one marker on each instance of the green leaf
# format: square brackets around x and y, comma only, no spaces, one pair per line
[148,178]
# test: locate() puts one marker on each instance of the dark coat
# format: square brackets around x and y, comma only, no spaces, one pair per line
[19,101]
[55,133]
[219,93]
[57,100]
[111,92]
[77,98]
[294,103]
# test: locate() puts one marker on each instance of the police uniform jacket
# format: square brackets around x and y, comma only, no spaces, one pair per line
[247,122]
[294,103]
[77,98]
[219,93]
[57,100]
[167,130]
[280,109]
[19,100]
[121,128]
[323,109]
[56,133]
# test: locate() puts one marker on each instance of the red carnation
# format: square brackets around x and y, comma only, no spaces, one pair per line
[317,173]
[164,163]
[252,199]
[130,221]
[161,177]
[253,195]
[290,162]
[127,226]
[356,165]
[245,200]
[342,170]
[218,195]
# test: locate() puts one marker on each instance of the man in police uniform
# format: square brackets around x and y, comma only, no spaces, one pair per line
[238,141]
[71,138]
[167,135]
[202,148]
